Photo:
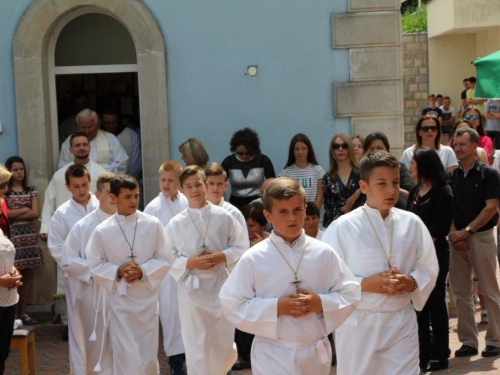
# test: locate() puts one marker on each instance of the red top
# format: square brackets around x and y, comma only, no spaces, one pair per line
[4,219]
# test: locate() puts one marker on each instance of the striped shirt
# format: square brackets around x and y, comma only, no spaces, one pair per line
[308,177]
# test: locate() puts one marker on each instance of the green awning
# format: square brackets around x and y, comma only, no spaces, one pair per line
[488,76]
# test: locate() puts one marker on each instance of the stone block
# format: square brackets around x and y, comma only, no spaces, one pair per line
[417,63]
[408,95]
[408,112]
[408,63]
[412,47]
[410,104]
[423,38]
[408,38]
[391,126]
[423,87]
[409,79]
[424,46]
[373,5]
[406,55]
[422,78]
[366,29]
[372,98]
[375,63]
[413,87]
[423,70]
[420,95]
[407,71]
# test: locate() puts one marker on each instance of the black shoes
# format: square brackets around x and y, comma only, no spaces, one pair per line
[176,363]
[466,351]
[437,365]
[65,334]
[490,351]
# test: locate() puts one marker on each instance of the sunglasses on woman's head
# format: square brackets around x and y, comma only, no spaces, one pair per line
[472,117]
[338,146]
[427,129]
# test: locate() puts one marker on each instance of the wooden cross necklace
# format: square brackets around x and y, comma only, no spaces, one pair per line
[295,271]
[131,256]
[202,238]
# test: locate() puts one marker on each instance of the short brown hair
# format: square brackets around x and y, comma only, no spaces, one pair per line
[191,170]
[104,178]
[282,188]
[76,170]
[215,169]
[171,166]
[375,159]
[122,181]
[254,211]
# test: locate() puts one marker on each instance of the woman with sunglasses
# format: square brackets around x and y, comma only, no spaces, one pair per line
[432,200]
[481,154]
[24,209]
[303,166]
[247,168]
[428,134]
[473,116]
[341,182]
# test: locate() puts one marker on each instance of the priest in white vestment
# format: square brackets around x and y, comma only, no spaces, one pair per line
[66,216]
[90,314]
[165,206]
[287,264]
[127,256]
[207,237]
[383,246]
[105,150]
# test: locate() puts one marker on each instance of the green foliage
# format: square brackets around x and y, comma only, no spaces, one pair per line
[415,22]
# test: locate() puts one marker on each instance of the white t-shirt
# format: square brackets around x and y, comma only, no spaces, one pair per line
[445,153]
[308,177]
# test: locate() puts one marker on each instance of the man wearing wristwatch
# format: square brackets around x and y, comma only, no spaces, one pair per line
[476,189]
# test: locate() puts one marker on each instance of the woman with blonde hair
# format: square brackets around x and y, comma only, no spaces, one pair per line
[341,182]
[358,143]
[193,152]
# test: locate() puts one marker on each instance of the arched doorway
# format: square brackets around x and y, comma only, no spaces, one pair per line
[34,46]
[34,75]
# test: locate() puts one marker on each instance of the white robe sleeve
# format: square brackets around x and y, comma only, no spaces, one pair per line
[73,263]
[65,156]
[49,204]
[135,160]
[56,237]
[177,260]
[426,268]
[243,308]
[104,272]
[155,269]
[344,295]
[119,158]
[237,243]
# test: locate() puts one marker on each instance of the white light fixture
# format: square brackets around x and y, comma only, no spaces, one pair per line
[252,70]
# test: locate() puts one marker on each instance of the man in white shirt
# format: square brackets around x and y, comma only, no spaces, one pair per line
[290,290]
[206,242]
[165,206]
[127,256]
[105,150]
[90,314]
[66,216]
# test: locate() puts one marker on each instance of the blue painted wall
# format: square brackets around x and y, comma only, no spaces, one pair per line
[209,45]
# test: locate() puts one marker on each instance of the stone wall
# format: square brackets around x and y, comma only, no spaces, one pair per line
[415,81]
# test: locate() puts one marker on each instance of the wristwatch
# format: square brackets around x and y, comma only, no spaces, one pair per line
[468,229]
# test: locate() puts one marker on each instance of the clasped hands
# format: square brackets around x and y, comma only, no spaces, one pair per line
[12,279]
[390,283]
[458,240]
[130,271]
[298,305]
[205,259]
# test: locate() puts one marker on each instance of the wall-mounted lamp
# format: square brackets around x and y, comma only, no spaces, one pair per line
[252,70]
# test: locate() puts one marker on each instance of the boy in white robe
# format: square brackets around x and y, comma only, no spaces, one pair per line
[206,242]
[391,253]
[89,311]
[165,206]
[290,290]
[127,256]
[66,216]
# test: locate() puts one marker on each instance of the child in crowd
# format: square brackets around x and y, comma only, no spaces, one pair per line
[311,223]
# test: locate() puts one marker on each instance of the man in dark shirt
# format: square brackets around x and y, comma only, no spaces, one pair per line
[432,109]
[476,189]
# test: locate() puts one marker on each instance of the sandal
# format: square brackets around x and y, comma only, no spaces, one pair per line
[27,320]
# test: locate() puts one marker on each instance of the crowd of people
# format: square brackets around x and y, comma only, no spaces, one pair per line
[394,237]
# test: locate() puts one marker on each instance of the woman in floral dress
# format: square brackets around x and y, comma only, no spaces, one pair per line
[341,182]
[24,209]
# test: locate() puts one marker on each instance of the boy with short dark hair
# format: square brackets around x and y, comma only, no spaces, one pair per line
[391,252]
[165,206]
[290,290]
[311,222]
[206,242]
[82,203]
[127,256]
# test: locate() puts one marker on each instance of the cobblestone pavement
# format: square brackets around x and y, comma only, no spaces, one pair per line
[52,355]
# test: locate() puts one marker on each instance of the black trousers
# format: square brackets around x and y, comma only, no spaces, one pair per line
[243,342]
[7,315]
[435,314]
